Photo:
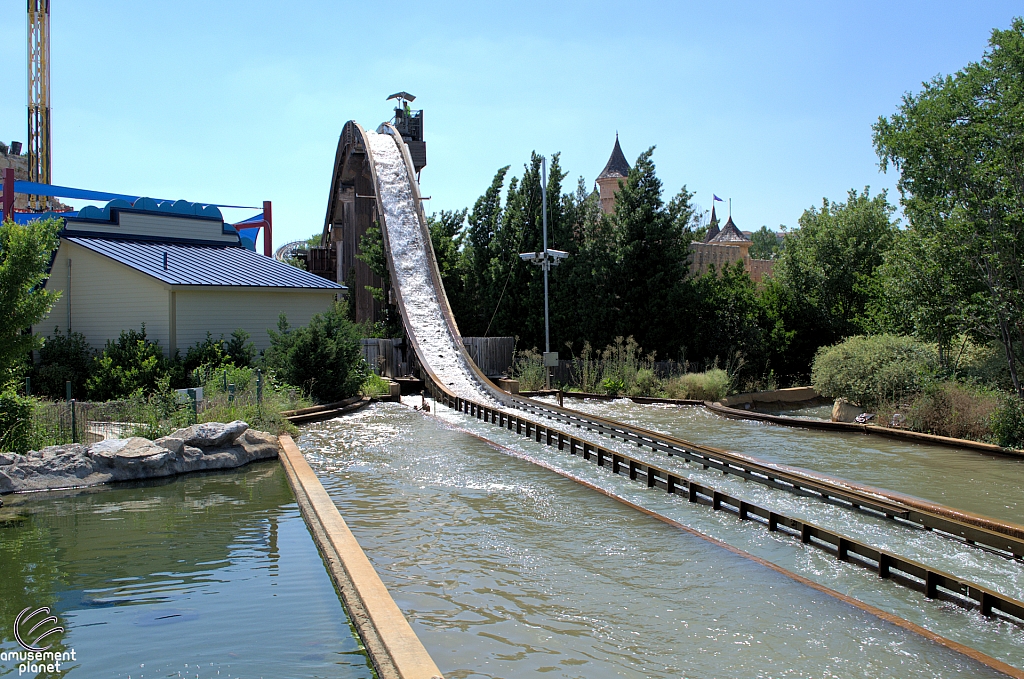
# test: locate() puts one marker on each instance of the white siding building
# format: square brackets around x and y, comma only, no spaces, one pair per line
[178,268]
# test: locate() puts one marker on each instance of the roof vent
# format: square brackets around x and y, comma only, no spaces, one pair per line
[165,261]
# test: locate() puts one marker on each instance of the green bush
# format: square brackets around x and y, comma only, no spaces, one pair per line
[711,385]
[1008,423]
[962,411]
[62,358]
[324,358]
[15,422]
[873,370]
[528,368]
[239,349]
[130,364]
[207,352]
[375,386]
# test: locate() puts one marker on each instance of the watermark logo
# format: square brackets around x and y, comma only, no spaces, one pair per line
[32,629]
[26,638]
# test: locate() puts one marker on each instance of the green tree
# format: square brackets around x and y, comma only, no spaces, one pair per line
[823,282]
[764,244]
[323,358]
[373,254]
[447,235]
[959,149]
[131,364]
[25,251]
[652,260]
[63,358]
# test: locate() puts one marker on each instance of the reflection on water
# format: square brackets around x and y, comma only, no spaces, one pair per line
[507,569]
[199,576]
[984,484]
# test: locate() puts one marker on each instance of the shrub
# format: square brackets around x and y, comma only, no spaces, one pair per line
[239,349]
[15,422]
[1008,423]
[528,368]
[130,364]
[375,385]
[62,358]
[208,352]
[874,370]
[953,409]
[324,358]
[711,385]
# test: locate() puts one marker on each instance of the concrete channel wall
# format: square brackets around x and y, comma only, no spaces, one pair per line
[391,643]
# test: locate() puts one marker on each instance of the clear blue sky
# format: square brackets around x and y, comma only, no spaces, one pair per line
[770,104]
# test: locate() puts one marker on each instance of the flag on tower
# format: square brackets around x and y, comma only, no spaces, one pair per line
[717,198]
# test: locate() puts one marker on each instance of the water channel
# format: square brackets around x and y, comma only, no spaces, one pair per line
[507,568]
[209,575]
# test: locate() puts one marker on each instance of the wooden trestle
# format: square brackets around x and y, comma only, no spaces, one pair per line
[935,584]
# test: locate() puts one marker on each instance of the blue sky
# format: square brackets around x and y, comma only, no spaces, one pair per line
[770,104]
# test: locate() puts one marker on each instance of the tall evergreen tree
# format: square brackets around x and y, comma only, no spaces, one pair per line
[652,261]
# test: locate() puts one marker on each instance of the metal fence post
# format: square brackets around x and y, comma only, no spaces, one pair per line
[259,385]
[231,393]
[67,390]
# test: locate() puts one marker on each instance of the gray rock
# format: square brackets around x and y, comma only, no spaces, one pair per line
[172,444]
[211,434]
[222,446]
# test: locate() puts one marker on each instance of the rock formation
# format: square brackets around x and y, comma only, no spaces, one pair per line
[210,445]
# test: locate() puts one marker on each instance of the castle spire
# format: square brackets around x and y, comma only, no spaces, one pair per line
[615,171]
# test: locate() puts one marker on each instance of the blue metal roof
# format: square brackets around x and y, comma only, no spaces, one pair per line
[203,264]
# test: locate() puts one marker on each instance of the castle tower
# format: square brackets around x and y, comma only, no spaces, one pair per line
[615,171]
[712,226]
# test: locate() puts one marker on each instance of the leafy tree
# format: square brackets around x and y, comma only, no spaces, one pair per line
[131,364]
[208,352]
[822,285]
[959,148]
[446,237]
[372,253]
[724,318]
[324,358]
[63,358]
[764,244]
[25,251]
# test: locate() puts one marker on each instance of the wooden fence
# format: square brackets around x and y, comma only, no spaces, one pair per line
[390,357]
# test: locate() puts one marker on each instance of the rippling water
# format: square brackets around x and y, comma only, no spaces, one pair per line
[200,576]
[986,484]
[508,569]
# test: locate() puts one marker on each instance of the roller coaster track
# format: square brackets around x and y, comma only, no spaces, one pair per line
[455,381]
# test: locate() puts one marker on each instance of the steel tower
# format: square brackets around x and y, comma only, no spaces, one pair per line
[38,97]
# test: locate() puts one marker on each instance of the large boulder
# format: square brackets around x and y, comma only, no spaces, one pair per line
[205,446]
[210,434]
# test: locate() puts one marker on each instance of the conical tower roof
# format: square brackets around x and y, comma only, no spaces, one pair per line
[729,234]
[712,226]
[617,165]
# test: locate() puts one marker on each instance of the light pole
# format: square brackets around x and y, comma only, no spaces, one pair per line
[545,259]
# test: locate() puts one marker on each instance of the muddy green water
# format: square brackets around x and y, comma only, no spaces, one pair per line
[507,569]
[200,576]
